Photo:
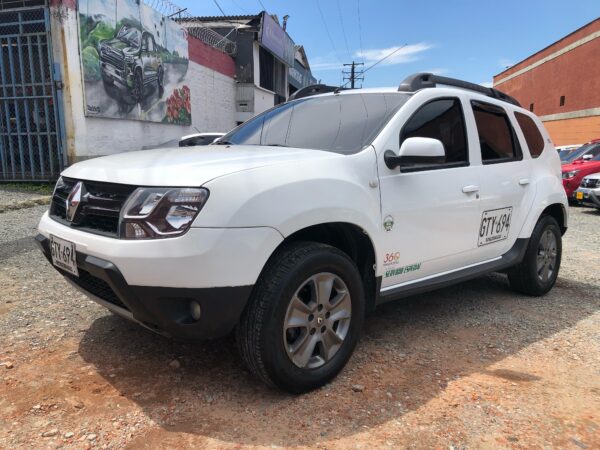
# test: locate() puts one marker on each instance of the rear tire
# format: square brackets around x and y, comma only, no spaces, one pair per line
[296,346]
[537,273]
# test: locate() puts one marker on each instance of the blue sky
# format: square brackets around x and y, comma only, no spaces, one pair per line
[467,39]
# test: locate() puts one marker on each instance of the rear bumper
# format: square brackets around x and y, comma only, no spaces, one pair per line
[165,310]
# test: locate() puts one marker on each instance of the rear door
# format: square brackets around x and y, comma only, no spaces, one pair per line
[507,188]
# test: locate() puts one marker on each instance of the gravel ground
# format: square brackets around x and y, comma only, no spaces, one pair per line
[471,366]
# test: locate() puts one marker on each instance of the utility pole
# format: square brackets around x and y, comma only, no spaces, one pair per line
[353,75]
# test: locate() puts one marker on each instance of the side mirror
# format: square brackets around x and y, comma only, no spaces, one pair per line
[587,157]
[416,150]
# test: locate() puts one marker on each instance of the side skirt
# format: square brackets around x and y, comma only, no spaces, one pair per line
[514,256]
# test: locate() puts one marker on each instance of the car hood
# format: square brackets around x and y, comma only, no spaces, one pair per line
[186,166]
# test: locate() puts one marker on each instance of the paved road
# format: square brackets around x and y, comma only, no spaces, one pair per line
[473,365]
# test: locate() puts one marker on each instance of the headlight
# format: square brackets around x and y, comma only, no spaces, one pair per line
[570,174]
[160,212]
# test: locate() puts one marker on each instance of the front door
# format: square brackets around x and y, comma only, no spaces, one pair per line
[430,212]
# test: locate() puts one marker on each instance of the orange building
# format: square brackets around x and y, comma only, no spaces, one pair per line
[561,84]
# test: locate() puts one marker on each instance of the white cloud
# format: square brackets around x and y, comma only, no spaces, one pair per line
[407,53]
[437,71]
[487,84]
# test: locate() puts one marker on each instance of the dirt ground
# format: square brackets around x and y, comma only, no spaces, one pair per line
[471,366]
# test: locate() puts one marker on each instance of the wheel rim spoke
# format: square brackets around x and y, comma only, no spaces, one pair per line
[304,351]
[317,320]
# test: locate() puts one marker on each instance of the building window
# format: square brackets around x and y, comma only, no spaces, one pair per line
[562,100]
[531,107]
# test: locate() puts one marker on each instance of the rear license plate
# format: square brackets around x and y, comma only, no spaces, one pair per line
[579,195]
[495,225]
[64,255]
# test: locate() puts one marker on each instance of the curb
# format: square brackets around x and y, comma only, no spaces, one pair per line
[36,201]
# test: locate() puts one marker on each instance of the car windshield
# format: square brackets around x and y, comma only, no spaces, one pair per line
[130,36]
[576,154]
[343,123]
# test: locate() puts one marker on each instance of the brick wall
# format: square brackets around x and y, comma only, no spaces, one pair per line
[545,77]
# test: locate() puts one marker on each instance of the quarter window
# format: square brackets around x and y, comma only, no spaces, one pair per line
[443,120]
[497,138]
[532,134]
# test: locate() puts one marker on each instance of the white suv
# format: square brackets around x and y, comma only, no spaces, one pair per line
[304,218]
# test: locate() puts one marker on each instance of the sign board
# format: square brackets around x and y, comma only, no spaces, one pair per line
[276,40]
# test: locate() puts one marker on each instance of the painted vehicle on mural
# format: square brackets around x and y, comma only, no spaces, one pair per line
[131,59]
[298,222]
[588,192]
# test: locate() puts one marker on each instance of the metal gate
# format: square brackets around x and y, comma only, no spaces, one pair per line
[30,138]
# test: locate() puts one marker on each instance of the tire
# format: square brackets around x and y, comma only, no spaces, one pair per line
[526,277]
[290,276]
[160,77]
[138,86]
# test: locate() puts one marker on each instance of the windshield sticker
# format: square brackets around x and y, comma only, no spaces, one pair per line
[402,270]
[495,225]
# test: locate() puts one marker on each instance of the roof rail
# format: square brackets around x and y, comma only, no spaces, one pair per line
[424,80]
[313,89]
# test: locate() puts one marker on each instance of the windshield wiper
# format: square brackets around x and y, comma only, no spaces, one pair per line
[223,143]
[276,145]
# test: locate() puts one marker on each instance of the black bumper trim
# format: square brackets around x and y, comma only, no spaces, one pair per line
[165,310]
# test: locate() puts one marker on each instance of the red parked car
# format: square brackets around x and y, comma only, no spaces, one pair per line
[573,173]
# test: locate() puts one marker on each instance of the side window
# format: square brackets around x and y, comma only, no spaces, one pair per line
[496,135]
[532,134]
[443,120]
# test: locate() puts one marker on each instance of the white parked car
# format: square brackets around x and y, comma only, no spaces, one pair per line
[311,214]
[589,190]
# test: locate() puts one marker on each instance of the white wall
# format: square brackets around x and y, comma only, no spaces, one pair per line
[212,99]
[213,109]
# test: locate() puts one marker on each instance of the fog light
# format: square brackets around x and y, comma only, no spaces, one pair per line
[195,310]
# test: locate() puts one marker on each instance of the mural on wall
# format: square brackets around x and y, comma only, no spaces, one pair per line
[134,62]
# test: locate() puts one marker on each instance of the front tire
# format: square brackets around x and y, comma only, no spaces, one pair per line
[537,273]
[304,318]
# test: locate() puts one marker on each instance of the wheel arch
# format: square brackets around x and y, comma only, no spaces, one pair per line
[348,238]
[559,213]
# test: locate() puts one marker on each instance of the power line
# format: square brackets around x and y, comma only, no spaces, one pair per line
[384,58]
[220,9]
[343,28]
[359,30]
[261,4]
[239,6]
[327,30]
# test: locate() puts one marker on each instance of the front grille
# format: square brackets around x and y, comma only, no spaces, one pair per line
[99,209]
[97,287]
[590,183]
[112,58]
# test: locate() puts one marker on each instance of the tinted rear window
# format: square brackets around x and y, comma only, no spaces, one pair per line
[338,123]
[496,135]
[532,134]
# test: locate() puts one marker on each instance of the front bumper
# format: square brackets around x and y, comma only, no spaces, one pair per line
[588,196]
[165,310]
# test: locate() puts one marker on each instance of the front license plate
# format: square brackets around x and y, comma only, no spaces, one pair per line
[579,195]
[64,255]
[495,225]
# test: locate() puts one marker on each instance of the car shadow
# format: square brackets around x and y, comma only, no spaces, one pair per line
[409,352]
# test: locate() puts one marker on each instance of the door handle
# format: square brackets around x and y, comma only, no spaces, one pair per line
[524,181]
[470,188]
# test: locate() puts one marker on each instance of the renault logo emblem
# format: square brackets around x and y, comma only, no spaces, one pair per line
[74,200]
